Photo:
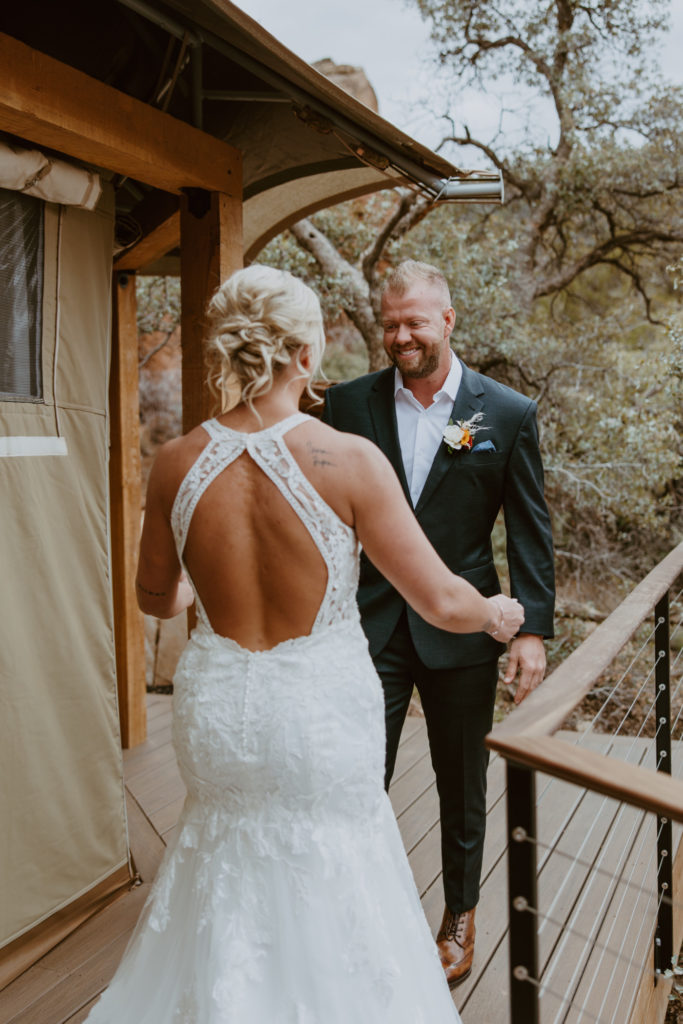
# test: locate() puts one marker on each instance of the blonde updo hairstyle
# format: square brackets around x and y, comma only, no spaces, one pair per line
[259,320]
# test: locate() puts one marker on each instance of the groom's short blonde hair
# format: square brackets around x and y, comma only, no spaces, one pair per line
[410,272]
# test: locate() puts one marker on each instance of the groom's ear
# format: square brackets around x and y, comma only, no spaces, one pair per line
[449,321]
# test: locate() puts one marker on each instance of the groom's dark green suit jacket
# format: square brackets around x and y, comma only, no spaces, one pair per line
[457,509]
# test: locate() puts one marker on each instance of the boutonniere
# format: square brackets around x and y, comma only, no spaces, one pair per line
[461,433]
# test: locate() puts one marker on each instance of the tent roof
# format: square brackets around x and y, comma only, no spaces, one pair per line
[305,127]
[306,143]
[222,23]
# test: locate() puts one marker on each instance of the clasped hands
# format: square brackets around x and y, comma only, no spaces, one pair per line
[526,654]
[507,617]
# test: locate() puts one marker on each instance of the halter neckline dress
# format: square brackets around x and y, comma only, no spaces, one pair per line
[285,895]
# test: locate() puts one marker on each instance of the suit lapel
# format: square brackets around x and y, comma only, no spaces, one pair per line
[383,413]
[468,400]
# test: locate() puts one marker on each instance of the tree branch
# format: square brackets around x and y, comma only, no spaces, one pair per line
[357,303]
[639,286]
[410,209]
[157,348]
[625,242]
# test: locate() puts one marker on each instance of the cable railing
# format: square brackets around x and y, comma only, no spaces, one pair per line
[595,873]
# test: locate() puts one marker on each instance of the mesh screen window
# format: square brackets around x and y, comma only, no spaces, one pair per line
[21,297]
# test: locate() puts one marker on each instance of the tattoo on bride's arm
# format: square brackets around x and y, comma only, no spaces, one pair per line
[150,593]
[320,455]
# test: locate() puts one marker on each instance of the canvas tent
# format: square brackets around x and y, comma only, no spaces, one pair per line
[62,814]
[135,134]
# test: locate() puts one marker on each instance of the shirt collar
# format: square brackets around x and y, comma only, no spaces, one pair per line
[449,387]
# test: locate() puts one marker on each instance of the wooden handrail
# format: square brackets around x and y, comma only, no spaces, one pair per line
[544,710]
[641,787]
[525,737]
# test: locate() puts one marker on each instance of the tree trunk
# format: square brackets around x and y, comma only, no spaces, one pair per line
[358,303]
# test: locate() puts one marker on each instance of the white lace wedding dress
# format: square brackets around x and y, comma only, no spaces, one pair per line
[285,896]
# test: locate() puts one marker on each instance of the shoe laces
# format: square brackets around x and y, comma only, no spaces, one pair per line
[455,927]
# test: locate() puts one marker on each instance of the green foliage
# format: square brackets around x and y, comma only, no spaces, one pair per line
[606,189]
[345,359]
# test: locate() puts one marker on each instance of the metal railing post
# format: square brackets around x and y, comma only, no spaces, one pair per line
[522,894]
[664,935]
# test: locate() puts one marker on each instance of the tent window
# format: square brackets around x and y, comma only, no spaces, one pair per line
[21,297]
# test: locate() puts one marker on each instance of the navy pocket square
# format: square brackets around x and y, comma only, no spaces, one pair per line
[484,446]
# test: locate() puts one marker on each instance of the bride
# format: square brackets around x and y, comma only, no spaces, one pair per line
[286,895]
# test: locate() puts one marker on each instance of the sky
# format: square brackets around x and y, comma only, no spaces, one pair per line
[390,41]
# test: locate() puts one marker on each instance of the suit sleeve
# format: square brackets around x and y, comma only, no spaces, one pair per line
[529,537]
[327,409]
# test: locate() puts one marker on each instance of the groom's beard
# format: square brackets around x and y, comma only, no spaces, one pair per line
[419,366]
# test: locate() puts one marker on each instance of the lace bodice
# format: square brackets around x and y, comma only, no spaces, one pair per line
[335,540]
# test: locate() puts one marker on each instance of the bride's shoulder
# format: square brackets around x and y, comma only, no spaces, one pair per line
[356,457]
[174,458]
[349,445]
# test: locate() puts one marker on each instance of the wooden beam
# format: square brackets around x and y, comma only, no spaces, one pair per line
[158,219]
[125,506]
[152,247]
[210,250]
[54,105]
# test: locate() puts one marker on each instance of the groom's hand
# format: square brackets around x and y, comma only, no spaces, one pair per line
[526,656]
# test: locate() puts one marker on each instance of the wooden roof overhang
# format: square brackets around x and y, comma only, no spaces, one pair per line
[179,95]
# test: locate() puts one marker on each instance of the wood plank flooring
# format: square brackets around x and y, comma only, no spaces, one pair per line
[589,930]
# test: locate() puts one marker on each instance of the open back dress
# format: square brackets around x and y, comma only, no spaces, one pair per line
[285,896]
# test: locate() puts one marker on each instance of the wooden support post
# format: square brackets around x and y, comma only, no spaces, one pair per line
[125,502]
[210,250]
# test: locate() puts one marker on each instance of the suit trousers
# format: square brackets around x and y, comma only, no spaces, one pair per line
[458,706]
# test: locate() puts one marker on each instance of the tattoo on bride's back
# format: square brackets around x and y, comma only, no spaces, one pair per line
[320,456]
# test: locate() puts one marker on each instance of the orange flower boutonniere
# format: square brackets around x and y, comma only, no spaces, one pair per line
[461,433]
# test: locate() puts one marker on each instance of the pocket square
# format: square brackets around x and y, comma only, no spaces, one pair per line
[484,446]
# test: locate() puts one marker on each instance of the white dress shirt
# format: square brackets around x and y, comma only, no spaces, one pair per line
[420,430]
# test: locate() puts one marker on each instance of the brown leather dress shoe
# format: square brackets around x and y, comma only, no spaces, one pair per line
[455,943]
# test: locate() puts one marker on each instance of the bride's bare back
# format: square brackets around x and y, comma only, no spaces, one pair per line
[256,568]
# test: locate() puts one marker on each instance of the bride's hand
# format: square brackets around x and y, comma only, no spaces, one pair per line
[507,615]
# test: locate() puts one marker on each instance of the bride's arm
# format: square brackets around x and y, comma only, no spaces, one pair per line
[161,586]
[395,543]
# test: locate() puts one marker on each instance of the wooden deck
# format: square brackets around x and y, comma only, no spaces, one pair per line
[596,837]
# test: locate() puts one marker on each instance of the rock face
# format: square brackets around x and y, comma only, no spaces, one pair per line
[350,79]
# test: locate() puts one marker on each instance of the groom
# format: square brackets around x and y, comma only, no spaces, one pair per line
[456,496]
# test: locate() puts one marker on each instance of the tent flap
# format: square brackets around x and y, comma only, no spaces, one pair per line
[64,842]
